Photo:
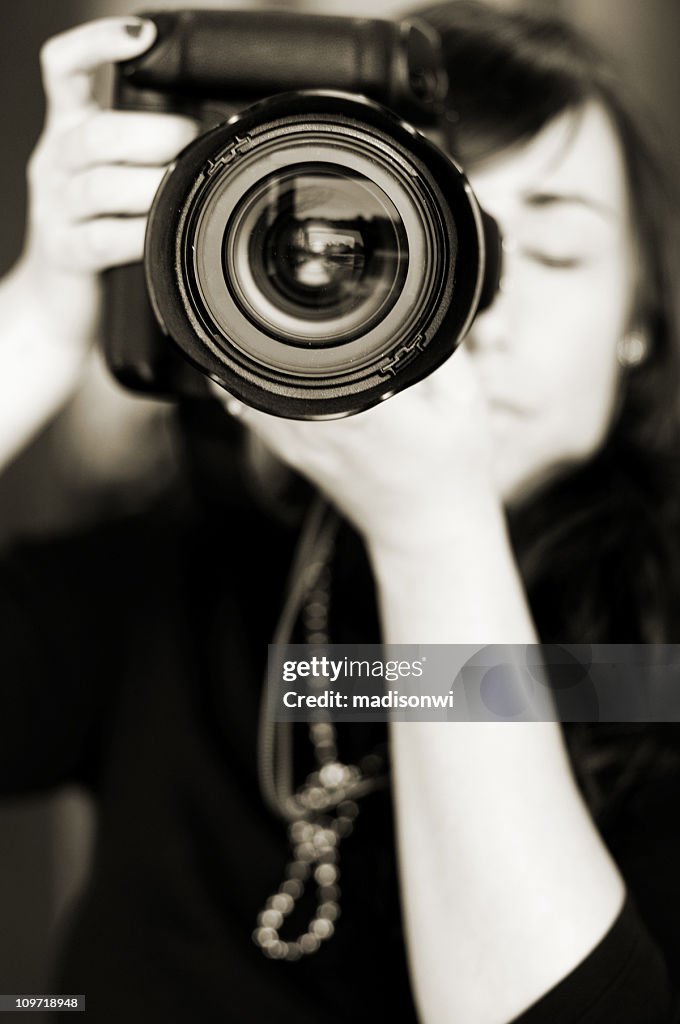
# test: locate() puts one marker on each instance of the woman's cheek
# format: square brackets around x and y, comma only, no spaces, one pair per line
[566,339]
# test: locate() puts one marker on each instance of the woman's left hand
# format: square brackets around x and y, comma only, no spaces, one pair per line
[416,470]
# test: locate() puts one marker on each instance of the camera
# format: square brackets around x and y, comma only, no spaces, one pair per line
[311,251]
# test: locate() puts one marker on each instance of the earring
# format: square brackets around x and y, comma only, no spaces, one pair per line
[632,349]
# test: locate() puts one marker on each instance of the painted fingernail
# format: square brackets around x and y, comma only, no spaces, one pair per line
[135,28]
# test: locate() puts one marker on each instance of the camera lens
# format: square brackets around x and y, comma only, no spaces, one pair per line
[311,257]
[315,255]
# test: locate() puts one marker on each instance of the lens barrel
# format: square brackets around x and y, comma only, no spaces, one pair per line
[315,255]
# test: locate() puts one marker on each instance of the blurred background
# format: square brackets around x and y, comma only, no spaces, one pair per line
[108,451]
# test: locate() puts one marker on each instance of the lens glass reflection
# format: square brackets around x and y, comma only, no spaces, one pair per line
[315,254]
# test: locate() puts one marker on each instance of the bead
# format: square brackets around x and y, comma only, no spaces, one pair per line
[305,852]
[348,809]
[294,951]
[277,950]
[329,910]
[316,607]
[309,943]
[299,831]
[322,928]
[315,797]
[343,827]
[298,869]
[271,918]
[329,893]
[294,833]
[292,887]
[321,731]
[326,874]
[307,831]
[325,837]
[334,775]
[315,624]
[371,764]
[265,936]
[317,638]
[283,902]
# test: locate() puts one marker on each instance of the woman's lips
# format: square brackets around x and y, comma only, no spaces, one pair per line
[507,405]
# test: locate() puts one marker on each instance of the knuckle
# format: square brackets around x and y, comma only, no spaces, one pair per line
[96,240]
[47,55]
[173,134]
[54,57]
[90,190]
[43,188]
[186,129]
[34,167]
[75,202]
[108,241]
[96,133]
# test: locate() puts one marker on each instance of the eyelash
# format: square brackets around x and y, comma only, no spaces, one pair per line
[553,262]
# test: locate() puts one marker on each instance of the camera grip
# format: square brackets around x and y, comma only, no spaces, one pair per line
[253,54]
[136,351]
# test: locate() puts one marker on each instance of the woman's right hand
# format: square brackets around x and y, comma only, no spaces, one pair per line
[91,179]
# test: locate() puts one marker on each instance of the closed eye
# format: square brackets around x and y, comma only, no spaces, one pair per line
[554,262]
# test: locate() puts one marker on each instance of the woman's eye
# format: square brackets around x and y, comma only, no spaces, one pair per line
[554,262]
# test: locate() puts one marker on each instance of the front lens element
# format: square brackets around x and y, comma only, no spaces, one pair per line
[315,255]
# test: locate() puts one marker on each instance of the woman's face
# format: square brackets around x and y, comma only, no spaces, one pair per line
[546,350]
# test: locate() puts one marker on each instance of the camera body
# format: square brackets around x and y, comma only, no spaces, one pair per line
[311,252]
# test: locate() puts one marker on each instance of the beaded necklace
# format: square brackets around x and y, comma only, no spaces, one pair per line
[322,811]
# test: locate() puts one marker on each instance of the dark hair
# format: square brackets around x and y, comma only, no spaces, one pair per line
[599,549]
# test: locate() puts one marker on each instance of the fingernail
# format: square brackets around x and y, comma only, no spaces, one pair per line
[136,27]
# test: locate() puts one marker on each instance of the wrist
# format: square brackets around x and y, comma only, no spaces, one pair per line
[461,586]
[442,527]
[58,309]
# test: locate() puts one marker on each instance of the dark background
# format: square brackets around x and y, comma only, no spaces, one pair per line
[90,456]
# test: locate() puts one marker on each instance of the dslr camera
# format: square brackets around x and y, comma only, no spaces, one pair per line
[311,251]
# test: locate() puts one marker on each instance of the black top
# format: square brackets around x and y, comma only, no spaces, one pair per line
[131,662]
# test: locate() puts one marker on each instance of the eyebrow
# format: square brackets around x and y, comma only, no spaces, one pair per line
[543,199]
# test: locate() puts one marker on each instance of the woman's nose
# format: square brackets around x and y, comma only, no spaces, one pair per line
[491,328]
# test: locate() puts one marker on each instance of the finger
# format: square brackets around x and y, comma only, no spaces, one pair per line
[120,190]
[132,137]
[70,59]
[95,245]
[456,378]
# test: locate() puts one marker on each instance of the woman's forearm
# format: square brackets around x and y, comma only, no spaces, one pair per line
[506,883]
[39,363]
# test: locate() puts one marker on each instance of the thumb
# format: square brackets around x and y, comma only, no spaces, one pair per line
[69,61]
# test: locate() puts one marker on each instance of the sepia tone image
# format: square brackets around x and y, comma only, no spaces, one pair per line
[339,328]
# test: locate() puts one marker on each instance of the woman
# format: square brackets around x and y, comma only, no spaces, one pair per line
[560,409]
